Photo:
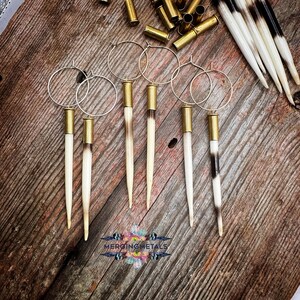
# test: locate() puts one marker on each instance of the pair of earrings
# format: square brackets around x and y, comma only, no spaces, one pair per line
[213,128]
[128,115]
[88,140]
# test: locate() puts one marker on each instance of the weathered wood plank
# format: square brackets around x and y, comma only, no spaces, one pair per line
[256,259]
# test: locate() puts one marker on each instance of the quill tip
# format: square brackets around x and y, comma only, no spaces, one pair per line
[86,234]
[291,100]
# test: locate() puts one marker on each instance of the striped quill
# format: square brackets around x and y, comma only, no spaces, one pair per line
[266,10]
[245,31]
[238,37]
[269,42]
[213,126]
[259,42]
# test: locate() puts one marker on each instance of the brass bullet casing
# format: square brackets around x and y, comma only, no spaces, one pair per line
[88,130]
[192,34]
[185,39]
[156,34]
[198,14]
[180,17]
[164,18]
[192,7]
[128,93]
[206,24]
[69,120]
[213,127]
[181,4]
[171,10]
[186,25]
[151,96]
[131,12]
[187,118]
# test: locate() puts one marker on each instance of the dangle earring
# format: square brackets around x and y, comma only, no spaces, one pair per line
[69,137]
[213,128]
[128,117]
[187,128]
[88,140]
[151,109]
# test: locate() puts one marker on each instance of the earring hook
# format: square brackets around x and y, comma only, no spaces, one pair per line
[87,80]
[56,101]
[198,103]
[109,59]
[190,62]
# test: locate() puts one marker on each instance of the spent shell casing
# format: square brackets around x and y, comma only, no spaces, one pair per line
[198,14]
[192,34]
[186,24]
[181,4]
[164,18]
[171,10]
[156,34]
[192,6]
[127,93]
[131,13]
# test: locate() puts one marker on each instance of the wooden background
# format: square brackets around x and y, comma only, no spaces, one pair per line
[258,256]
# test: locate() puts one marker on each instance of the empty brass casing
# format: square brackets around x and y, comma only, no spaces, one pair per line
[131,12]
[151,96]
[170,10]
[185,39]
[213,127]
[187,118]
[192,34]
[180,18]
[69,120]
[187,24]
[206,24]
[192,7]
[127,93]
[88,130]
[198,14]
[181,4]
[156,34]
[164,18]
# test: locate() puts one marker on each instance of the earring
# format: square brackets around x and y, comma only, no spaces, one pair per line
[88,140]
[213,128]
[69,139]
[128,117]
[151,109]
[187,128]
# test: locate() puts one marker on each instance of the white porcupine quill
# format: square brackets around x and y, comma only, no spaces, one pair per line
[269,42]
[267,11]
[240,40]
[129,152]
[69,141]
[86,186]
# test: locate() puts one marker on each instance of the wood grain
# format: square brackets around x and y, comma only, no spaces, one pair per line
[258,256]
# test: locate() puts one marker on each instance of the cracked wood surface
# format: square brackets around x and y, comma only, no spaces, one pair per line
[258,256]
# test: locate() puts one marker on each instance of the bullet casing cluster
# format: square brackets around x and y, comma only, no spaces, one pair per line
[182,14]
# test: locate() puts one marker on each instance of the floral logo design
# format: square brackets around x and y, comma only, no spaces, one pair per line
[132,246]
